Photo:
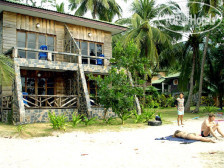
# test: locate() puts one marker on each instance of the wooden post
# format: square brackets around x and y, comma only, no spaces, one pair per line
[15,53]
[88,61]
[49,56]
[80,57]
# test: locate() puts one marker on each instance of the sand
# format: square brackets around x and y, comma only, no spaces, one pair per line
[129,148]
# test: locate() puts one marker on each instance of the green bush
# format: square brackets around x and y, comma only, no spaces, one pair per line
[160,101]
[88,121]
[147,115]
[170,101]
[76,119]
[208,101]
[210,109]
[138,118]
[20,128]
[58,122]
[109,120]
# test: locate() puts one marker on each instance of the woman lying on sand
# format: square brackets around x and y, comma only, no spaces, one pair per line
[191,136]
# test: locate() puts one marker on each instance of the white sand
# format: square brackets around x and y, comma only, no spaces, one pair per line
[125,149]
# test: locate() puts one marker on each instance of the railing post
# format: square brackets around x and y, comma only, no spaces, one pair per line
[80,57]
[88,61]
[15,53]
[49,56]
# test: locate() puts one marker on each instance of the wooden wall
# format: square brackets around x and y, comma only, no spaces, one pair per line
[13,22]
[1,31]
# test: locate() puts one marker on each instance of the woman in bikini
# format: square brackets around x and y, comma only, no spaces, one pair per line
[191,136]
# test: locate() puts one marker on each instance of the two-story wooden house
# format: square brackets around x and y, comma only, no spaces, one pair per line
[54,79]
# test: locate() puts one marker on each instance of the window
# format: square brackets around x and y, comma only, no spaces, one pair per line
[33,41]
[21,42]
[99,49]
[30,86]
[90,49]
[38,86]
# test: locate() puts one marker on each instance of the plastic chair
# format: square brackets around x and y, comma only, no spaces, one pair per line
[100,61]
[25,97]
[43,54]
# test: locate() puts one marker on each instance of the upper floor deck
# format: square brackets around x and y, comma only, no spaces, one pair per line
[24,30]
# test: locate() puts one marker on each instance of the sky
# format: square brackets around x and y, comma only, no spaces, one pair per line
[124,5]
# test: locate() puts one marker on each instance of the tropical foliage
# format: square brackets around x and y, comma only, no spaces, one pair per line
[6,70]
[103,10]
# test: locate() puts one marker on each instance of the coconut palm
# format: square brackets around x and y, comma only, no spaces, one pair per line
[6,70]
[214,73]
[97,8]
[146,35]
[214,3]
[60,7]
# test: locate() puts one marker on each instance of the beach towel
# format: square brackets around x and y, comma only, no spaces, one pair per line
[171,138]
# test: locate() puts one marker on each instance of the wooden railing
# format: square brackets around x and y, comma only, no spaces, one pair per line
[7,102]
[50,101]
[56,56]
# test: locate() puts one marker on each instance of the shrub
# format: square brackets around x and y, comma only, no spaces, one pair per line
[88,121]
[208,101]
[20,128]
[58,122]
[170,101]
[109,120]
[76,119]
[139,118]
[209,109]
[147,115]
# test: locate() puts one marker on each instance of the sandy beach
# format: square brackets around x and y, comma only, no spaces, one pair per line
[129,148]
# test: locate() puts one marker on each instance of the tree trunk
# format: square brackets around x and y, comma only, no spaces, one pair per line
[144,87]
[201,75]
[220,101]
[105,113]
[188,104]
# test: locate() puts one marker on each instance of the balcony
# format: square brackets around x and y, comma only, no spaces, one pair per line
[57,57]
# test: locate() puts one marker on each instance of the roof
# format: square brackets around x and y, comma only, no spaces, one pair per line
[158,81]
[163,79]
[16,7]
[173,75]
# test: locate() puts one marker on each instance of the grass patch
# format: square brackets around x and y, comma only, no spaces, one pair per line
[45,129]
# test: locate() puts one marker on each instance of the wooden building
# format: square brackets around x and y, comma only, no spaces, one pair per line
[55,79]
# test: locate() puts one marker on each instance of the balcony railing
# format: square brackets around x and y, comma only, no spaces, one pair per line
[50,101]
[7,102]
[56,56]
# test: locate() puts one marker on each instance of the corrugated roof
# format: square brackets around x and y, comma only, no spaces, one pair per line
[158,81]
[173,75]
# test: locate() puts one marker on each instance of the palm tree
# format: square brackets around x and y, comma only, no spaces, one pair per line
[214,73]
[147,37]
[6,70]
[104,10]
[214,3]
[60,7]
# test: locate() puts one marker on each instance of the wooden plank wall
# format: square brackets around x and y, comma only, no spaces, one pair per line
[13,22]
[1,31]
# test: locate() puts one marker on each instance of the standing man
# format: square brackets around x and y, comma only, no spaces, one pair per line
[209,126]
[180,108]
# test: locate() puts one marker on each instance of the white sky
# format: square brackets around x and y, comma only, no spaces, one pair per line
[124,5]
